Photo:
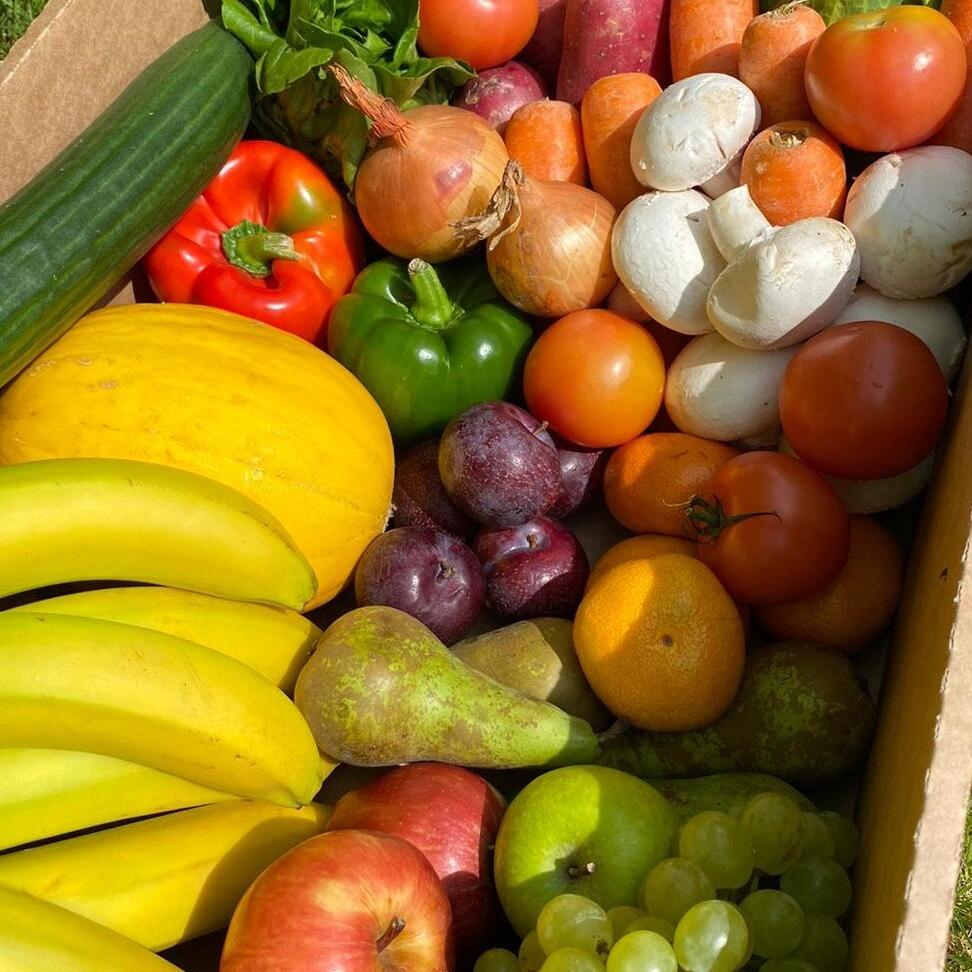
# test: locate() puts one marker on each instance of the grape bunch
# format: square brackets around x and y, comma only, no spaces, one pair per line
[762,888]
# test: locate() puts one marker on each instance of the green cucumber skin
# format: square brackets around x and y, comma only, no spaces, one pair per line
[86,219]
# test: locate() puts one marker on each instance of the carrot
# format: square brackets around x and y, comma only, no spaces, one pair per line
[958,131]
[772,58]
[609,112]
[545,138]
[706,35]
[795,170]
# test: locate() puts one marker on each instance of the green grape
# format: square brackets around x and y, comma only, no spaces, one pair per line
[572,960]
[497,960]
[664,928]
[788,964]
[721,846]
[572,921]
[824,944]
[531,956]
[818,843]
[775,923]
[776,828]
[671,887]
[712,937]
[818,887]
[845,837]
[622,916]
[642,951]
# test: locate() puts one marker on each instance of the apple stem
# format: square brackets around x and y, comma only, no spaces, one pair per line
[586,869]
[390,933]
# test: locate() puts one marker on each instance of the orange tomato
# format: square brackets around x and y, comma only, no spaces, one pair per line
[886,79]
[595,378]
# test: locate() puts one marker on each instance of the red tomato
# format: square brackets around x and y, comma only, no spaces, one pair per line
[595,378]
[792,535]
[483,33]
[863,401]
[887,79]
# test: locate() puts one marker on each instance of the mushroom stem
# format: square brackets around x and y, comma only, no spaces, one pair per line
[735,221]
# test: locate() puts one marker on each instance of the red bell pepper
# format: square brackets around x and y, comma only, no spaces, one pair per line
[269,238]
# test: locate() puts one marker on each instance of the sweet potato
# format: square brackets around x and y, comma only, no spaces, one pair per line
[603,37]
[543,51]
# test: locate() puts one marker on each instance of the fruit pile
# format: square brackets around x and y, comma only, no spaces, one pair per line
[461,573]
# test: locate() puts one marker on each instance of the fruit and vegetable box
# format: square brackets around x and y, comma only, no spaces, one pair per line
[484,486]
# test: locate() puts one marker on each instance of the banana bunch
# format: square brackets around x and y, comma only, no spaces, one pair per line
[139,701]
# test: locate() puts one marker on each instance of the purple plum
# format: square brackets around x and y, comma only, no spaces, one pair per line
[581,478]
[420,499]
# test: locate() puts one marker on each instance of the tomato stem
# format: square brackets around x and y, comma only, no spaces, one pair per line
[709,519]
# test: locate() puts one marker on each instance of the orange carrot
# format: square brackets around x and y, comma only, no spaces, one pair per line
[545,138]
[772,58]
[958,131]
[795,170]
[706,35]
[609,112]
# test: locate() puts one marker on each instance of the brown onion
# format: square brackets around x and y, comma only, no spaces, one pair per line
[549,247]
[431,167]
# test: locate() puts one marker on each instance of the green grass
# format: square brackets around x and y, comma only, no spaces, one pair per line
[15,17]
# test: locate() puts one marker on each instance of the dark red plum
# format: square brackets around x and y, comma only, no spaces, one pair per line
[426,573]
[499,464]
[420,499]
[581,478]
[533,570]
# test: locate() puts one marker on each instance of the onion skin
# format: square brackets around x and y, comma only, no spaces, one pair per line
[558,258]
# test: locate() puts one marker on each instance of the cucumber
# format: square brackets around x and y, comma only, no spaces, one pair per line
[86,219]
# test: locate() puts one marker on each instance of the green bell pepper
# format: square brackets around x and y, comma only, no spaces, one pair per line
[428,342]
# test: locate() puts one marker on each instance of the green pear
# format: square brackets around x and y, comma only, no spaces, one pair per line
[381,690]
[726,792]
[801,714]
[537,658]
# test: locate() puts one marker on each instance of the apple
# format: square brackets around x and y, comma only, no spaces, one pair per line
[345,901]
[452,816]
[588,830]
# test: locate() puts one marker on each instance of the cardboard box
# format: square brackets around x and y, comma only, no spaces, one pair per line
[81,53]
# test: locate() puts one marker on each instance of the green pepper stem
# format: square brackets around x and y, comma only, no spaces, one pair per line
[253,247]
[432,307]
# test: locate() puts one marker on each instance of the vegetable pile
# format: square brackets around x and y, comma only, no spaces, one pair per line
[540,387]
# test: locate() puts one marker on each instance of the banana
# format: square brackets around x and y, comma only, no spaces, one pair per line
[157,700]
[273,641]
[49,792]
[36,936]
[165,880]
[111,519]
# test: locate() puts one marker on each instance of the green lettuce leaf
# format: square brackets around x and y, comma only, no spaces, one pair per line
[298,102]
[834,10]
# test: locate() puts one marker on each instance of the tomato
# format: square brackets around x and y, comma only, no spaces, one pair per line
[863,401]
[770,528]
[887,79]
[596,378]
[483,33]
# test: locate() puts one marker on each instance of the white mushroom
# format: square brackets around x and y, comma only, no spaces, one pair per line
[665,256]
[934,319]
[718,390]
[787,285]
[868,496]
[693,131]
[912,215]
[735,221]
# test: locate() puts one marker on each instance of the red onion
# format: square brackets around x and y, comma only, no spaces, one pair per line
[494,94]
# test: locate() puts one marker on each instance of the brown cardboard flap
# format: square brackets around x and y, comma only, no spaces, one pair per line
[913,802]
[75,59]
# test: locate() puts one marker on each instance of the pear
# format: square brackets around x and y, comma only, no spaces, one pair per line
[727,792]
[537,658]
[381,690]
[801,714]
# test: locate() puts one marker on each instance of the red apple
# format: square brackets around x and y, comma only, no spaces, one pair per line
[346,901]
[452,816]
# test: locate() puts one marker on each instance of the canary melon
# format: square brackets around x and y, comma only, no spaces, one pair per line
[217,394]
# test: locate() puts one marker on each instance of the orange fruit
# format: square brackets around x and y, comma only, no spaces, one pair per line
[649,481]
[856,606]
[640,548]
[661,642]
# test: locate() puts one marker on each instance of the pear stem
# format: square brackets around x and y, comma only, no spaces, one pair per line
[390,934]
[583,871]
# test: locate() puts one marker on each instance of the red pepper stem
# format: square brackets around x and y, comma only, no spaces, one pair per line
[432,307]
[253,247]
